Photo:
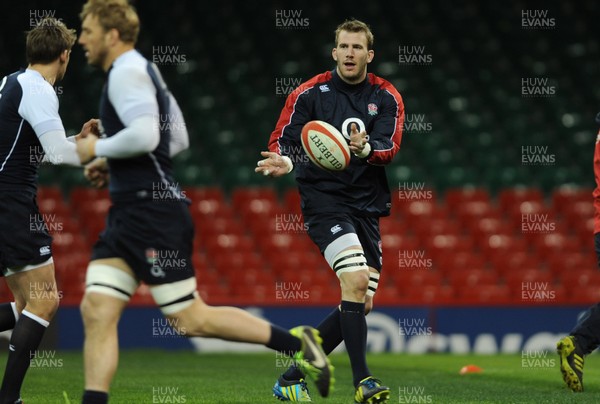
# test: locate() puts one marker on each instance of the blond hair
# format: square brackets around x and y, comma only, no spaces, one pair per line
[114,14]
[353,25]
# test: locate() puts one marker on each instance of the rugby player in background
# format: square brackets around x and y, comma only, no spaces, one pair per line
[342,209]
[144,128]
[585,337]
[31,132]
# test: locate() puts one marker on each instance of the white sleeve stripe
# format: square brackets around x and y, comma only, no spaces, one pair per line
[14,144]
[47,126]
[138,111]
[291,116]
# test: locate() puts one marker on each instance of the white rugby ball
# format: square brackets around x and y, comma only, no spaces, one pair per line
[325,146]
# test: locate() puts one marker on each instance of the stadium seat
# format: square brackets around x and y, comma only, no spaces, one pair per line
[49,192]
[457,197]
[468,212]
[485,295]
[409,279]
[563,198]
[428,228]
[471,278]
[546,244]
[229,243]
[238,262]
[241,197]
[80,196]
[439,246]
[459,261]
[205,193]
[503,245]
[208,208]
[564,263]
[429,295]
[511,197]
[578,279]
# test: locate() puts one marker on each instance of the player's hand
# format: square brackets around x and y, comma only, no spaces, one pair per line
[273,165]
[86,147]
[96,172]
[358,141]
[92,126]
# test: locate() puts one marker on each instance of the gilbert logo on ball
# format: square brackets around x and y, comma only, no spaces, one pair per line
[325,146]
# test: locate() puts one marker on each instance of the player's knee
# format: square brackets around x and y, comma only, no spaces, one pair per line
[196,320]
[43,303]
[355,283]
[96,312]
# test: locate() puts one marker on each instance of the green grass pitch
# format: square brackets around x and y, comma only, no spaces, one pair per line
[149,376]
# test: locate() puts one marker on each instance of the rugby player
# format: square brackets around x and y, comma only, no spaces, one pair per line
[31,132]
[342,209]
[585,337]
[142,122]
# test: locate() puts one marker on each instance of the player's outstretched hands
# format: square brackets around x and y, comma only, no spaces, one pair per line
[273,165]
[96,172]
[358,140]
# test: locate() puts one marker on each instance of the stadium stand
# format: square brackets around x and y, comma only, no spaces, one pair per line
[469,154]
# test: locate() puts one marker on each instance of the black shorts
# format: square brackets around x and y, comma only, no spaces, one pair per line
[154,238]
[24,237]
[323,229]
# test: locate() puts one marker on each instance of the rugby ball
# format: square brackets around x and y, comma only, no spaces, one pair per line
[325,146]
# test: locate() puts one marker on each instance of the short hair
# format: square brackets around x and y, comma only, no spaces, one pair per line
[117,14]
[353,25]
[47,40]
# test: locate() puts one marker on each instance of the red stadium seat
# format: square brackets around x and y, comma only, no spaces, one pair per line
[390,226]
[471,278]
[578,212]
[49,192]
[208,193]
[80,195]
[237,262]
[565,197]
[439,246]
[517,279]
[505,262]
[458,261]
[427,295]
[417,211]
[503,245]
[485,226]
[64,243]
[585,232]
[562,263]
[409,193]
[428,228]
[547,244]
[511,197]
[578,279]
[584,295]
[393,245]
[455,198]
[228,244]
[471,212]
[53,206]
[211,227]
[416,279]
[241,197]
[485,294]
